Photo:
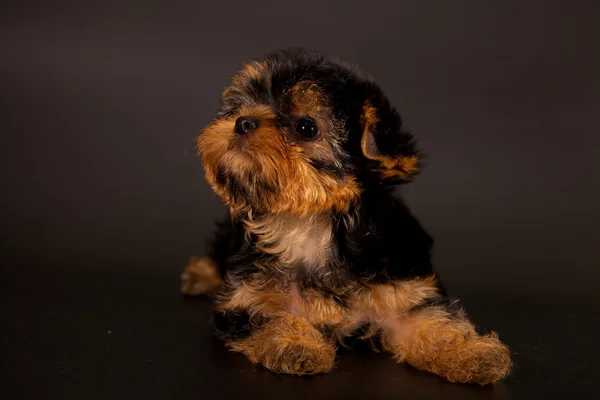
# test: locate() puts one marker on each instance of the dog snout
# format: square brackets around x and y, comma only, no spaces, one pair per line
[245,125]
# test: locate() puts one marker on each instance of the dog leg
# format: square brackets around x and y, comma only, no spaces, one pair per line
[200,276]
[436,340]
[284,344]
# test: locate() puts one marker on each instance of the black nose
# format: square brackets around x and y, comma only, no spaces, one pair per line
[245,125]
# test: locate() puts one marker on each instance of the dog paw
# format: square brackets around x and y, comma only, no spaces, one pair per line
[302,359]
[289,345]
[480,360]
[200,276]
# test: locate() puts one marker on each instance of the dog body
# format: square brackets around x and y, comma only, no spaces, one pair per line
[306,153]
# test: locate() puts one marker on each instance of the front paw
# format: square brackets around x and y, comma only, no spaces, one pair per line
[303,358]
[289,345]
[480,360]
[200,276]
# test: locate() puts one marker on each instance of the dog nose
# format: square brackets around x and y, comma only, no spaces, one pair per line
[245,125]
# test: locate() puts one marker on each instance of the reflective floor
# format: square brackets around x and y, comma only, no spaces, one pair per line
[113,333]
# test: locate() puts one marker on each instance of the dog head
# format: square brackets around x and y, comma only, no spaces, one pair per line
[300,134]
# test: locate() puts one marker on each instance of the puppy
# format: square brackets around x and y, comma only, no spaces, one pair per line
[306,152]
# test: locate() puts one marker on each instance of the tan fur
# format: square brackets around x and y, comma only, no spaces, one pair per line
[200,276]
[398,296]
[308,305]
[302,190]
[377,303]
[431,339]
[434,341]
[255,299]
[308,100]
[270,171]
[295,240]
[290,345]
[373,303]
[401,167]
[254,70]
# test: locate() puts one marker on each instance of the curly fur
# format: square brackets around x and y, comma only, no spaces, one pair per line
[316,247]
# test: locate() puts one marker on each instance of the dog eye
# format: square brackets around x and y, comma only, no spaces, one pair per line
[307,128]
[225,113]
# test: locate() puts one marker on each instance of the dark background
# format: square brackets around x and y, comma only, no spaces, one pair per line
[103,197]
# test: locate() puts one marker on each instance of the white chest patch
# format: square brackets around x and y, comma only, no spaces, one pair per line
[295,240]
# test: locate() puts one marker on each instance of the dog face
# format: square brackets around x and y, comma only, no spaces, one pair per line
[300,134]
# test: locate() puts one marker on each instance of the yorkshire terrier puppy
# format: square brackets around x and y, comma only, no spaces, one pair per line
[306,152]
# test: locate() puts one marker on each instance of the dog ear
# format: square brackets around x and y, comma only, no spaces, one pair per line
[391,152]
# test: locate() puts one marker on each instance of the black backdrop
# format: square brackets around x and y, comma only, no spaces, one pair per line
[102,190]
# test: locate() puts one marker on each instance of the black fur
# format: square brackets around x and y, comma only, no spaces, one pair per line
[231,325]
[387,243]
[348,91]
[228,242]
